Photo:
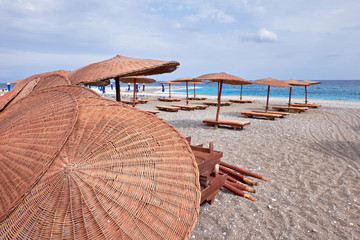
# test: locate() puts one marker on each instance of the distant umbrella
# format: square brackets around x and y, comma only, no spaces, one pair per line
[118,67]
[293,82]
[309,83]
[169,82]
[143,87]
[270,82]
[221,78]
[136,80]
[195,86]
[163,88]
[187,80]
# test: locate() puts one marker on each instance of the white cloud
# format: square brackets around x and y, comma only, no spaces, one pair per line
[213,15]
[263,35]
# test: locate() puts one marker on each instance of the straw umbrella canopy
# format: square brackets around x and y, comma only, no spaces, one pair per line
[120,66]
[187,80]
[294,82]
[222,78]
[309,82]
[91,168]
[245,82]
[169,82]
[136,79]
[270,82]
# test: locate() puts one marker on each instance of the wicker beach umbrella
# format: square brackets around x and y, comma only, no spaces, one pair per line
[169,82]
[120,66]
[270,82]
[294,82]
[309,82]
[121,174]
[222,78]
[135,80]
[187,80]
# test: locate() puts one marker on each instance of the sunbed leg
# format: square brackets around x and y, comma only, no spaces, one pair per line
[216,125]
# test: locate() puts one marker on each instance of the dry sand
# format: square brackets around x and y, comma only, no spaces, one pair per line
[312,159]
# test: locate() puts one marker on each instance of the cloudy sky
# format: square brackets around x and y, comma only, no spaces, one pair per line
[300,39]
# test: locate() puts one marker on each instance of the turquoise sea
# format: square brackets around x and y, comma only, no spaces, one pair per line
[328,89]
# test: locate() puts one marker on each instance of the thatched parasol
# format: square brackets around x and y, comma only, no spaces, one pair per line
[195,86]
[309,82]
[169,82]
[117,67]
[122,173]
[270,82]
[136,79]
[294,82]
[222,78]
[186,80]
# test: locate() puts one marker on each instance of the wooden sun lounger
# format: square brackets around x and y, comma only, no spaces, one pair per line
[150,111]
[241,101]
[169,99]
[200,107]
[167,108]
[269,116]
[130,101]
[216,103]
[232,123]
[196,98]
[310,105]
[272,112]
[143,101]
[296,109]
[186,107]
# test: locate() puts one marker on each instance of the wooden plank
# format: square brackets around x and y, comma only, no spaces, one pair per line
[232,123]
[241,101]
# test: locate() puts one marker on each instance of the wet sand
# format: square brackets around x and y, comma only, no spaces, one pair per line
[312,159]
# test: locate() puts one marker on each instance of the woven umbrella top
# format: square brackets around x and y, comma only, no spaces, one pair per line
[224,77]
[138,79]
[9,96]
[120,66]
[311,82]
[169,82]
[41,75]
[52,80]
[294,82]
[271,82]
[122,173]
[186,79]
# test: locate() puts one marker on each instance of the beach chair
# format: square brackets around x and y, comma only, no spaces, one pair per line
[284,108]
[143,101]
[241,101]
[268,116]
[167,108]
[197,98]
[216,103]
[129,101]
[232,123]
[169,99]
[272,112]
[200,107]
[310,105]
[186,107]
[150,111]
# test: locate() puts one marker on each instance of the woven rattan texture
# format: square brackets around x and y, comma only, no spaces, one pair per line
[52,80]
[24,92]
[32,134]
[120,66]
[7,97]
[123,173]
[225,77]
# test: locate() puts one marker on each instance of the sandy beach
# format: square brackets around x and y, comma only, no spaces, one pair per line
[312,159]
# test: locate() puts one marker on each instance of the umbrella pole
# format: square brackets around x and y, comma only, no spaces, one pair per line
[218,107]
[117,89]
[267,100]
[241,92]
[134,93]
[187,94]
[289,98]
[305,95]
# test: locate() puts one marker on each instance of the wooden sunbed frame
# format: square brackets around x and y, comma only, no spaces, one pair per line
[169,99]
[197,98]
[269,116]
[200,107]
[186,107]
[129,101]
[167,108]
[150,111]
[272,112]
[310,105]
[143,101]
[216,103]
[296,109]
[232,123]
[241,101]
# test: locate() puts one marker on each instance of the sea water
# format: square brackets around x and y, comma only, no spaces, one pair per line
[328,89]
